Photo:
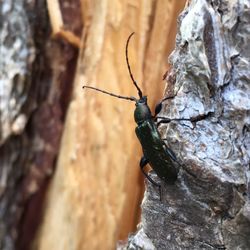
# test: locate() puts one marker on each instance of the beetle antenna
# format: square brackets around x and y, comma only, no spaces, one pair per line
[129,69]
[108,93]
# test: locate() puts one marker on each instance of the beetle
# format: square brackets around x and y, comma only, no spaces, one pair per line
[155,151]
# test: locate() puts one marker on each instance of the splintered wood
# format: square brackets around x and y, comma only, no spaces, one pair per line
[94,197]
[57,25]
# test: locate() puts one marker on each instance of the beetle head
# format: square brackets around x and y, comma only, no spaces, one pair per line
[142,111]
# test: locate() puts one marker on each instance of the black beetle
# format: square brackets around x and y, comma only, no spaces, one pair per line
[155,150]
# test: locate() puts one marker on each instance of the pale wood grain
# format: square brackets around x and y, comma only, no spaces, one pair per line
[95,194]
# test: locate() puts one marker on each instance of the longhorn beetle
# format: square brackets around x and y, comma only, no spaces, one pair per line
[155,150]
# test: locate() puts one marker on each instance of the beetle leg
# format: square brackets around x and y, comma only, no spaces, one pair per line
[168,120]
[169,151]
[143,162]
[191,119]
[158,106]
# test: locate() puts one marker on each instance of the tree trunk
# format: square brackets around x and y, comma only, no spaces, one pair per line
[94,197]
[95,193]
[35,86]
[208,207]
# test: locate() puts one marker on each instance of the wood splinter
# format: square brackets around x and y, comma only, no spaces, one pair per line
[58,29]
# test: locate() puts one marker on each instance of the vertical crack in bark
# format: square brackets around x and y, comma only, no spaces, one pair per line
[210,50]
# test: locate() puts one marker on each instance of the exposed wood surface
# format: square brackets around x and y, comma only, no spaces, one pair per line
[94,197]
[57,23]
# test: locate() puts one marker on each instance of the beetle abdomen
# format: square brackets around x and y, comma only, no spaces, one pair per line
[155,152]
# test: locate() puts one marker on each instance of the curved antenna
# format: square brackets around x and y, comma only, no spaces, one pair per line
[129,69]
[108,93]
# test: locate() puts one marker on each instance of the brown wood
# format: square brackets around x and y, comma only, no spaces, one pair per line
[95,194]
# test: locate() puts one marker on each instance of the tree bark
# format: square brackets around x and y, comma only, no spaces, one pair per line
[35,74]
[208,207]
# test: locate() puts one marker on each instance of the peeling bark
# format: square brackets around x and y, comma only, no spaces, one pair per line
[208,207]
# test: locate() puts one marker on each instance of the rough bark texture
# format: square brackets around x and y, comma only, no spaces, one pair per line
[34,92]
[208,207]
[16,60]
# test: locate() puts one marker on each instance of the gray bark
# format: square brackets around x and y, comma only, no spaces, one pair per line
[32,109]
[17,53]
[208,207]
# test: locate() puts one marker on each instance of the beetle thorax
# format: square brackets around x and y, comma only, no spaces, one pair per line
[142,111]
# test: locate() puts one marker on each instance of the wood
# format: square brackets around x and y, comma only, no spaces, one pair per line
[94,196]
[57,24]
[55,15]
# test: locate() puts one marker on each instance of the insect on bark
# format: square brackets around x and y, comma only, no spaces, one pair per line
[155,151]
